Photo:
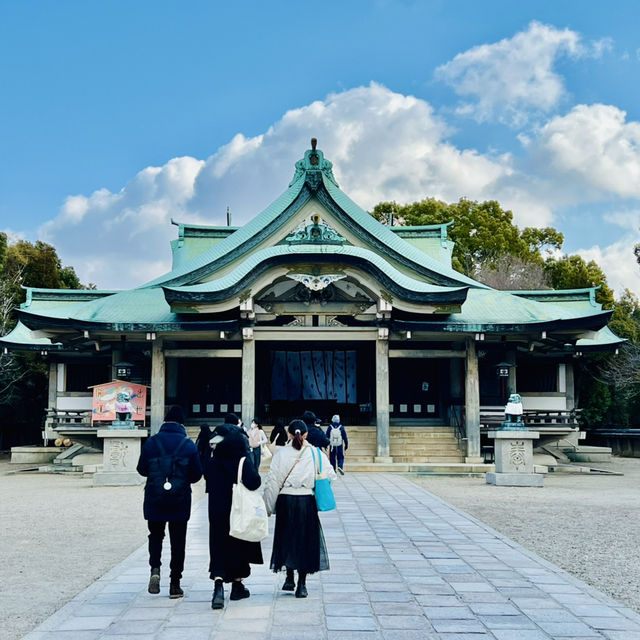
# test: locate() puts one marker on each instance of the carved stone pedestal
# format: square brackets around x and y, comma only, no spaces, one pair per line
[120,458]
[514,459]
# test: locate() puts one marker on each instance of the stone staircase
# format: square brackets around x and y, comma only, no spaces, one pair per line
[421,449]
[416,445]
[412,445]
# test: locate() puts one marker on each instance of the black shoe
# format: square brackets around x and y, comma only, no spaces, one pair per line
[301,591]
[174,589]
[217,602]
[289,585]
[154,581]
[341,471]
[238,591]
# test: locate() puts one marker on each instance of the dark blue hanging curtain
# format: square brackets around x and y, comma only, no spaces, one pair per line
[314,375]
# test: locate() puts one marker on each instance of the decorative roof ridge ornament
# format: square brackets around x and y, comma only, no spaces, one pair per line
[312,166]
[314,230]
[316,282]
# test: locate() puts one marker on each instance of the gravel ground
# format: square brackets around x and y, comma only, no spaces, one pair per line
[587,524]
[58,534]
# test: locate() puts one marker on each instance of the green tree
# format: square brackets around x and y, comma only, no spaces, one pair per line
[23,380]
[36,265]
[483,232]
[574,272]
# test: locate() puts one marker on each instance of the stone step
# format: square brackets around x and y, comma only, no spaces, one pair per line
[446,468]
[426,459]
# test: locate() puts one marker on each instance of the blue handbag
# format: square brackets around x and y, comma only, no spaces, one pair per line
[323,491]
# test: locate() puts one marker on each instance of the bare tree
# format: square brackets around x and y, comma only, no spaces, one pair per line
[623,371]
[512,273]
[11,370]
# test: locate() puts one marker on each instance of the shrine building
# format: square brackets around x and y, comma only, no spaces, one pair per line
[314,304]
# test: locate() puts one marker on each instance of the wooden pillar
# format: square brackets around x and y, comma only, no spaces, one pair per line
[382,396]
[472,403]
[570,389]
[512,383]
[157,385]
[248,376]
[53,385]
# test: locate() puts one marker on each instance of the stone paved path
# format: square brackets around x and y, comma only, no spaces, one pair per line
[404,565]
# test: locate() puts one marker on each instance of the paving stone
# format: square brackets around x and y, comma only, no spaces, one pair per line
[390,596]
[550,615]
[347,610]
[403,622]
[619,623]
[133,627]
[87,623]
[396,608]
[507,634]
[493,609]
[408,634]
[256,626]
[458,626]
[351,623]
[406,566]
[196,633]
[506,622]
[567,629]
[449,613]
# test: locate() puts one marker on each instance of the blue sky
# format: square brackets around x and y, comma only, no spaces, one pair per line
[117,116]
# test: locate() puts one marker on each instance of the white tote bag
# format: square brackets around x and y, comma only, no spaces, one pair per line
[248,519]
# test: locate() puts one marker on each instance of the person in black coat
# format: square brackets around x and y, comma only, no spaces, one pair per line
[229,557]
[316,436]
[172,435]
[279,436]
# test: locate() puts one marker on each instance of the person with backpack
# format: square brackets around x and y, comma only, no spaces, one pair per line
[229,557]
[170,462]
[338,444]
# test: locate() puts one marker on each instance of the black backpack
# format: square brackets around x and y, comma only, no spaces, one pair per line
[168,480]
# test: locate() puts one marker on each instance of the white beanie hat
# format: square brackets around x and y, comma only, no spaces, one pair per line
[335,418]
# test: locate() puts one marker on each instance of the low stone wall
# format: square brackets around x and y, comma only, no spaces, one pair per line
[34,454]
[623,442]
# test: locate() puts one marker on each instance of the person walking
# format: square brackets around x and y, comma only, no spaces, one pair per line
[257,437]
[170,462]
[279,436]
[316,436]
[338,444]
[229,557]
[298,541]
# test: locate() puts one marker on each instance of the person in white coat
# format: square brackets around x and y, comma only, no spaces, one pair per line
[298,541]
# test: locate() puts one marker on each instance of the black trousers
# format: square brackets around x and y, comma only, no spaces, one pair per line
[178,538]
[337,455]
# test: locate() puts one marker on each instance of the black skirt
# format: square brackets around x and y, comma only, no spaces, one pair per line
[298,541]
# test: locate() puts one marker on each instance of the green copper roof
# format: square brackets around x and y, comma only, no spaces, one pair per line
[258,228]
[483,309]
[404,285]
[314,180]
[604,340]
[22,337]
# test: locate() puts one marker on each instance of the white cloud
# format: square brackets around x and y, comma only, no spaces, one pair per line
[384,146]
[592,149]
[618,263]
[119,240]
[510,79]
[13,236]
